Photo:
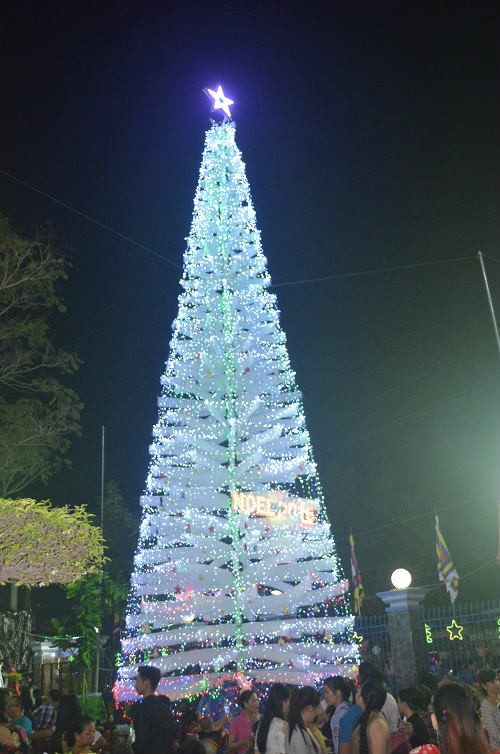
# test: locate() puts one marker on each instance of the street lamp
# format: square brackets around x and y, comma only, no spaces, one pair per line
[401,578]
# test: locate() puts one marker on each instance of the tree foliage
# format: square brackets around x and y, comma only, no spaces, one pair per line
[120,530]
[42,545]
[38,413]
[96,601]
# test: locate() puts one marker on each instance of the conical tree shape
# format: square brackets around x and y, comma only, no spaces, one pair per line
[236,571]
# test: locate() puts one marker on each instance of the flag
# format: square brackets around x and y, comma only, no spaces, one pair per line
[446,569]
[357,583]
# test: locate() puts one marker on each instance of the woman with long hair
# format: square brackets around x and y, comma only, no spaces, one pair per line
[68,712]
[301,715]
[371,735]
[456,717]
[270,738]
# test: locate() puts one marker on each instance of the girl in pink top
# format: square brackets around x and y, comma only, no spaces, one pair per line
[241,738]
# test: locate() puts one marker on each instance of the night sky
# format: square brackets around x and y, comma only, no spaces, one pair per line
[370,135]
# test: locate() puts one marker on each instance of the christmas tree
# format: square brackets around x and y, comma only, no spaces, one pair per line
[236,574]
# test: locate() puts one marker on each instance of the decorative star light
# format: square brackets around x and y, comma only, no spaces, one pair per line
[220,101]
[455,630]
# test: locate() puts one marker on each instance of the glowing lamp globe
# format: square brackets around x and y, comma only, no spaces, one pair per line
[401,578]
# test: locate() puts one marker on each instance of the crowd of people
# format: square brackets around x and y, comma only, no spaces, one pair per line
[342,717]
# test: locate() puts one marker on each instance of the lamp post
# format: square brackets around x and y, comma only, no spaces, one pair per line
[402,623]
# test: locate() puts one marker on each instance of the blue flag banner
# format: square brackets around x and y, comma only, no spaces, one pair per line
[446,569]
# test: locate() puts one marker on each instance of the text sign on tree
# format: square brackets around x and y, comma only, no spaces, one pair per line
[276,506]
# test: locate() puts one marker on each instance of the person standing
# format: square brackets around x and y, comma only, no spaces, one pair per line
[153,723]
[337,693]
[490,710]
[240,733]
[412,724]
[270,737]
[455,715]
[302,713]
[371,735]
[44,715]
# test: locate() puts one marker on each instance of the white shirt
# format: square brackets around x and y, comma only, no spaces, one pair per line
[275,742]
[391,713]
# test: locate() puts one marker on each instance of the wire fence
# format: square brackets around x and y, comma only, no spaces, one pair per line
[455,640]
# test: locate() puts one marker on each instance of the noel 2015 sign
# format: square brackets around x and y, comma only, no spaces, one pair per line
[276,506]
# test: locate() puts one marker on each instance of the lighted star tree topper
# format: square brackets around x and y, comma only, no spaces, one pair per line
[236,574]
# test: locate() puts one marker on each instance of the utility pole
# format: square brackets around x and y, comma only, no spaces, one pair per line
[101,522]
[490,302]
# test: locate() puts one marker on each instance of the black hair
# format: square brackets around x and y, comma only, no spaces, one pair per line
[365,669]
[27,699]
[244,698]
[150,673]
[374,696]
[303,696]
[76,728]
[278,693]
[338,683]
[38,697]
[411,697]
[53,694]
[484,677]
[375,676]
[68,712]
[192,746]
[4,695]
[430,680]
[424,696]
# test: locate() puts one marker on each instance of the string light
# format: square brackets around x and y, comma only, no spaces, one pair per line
[223,590]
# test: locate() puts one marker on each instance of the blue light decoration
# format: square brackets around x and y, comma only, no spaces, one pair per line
[236,580]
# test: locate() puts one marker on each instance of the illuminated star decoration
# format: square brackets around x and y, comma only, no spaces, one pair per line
[455,631]
[220,101]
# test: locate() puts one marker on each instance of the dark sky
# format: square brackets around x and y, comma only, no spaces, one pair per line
[370,134]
